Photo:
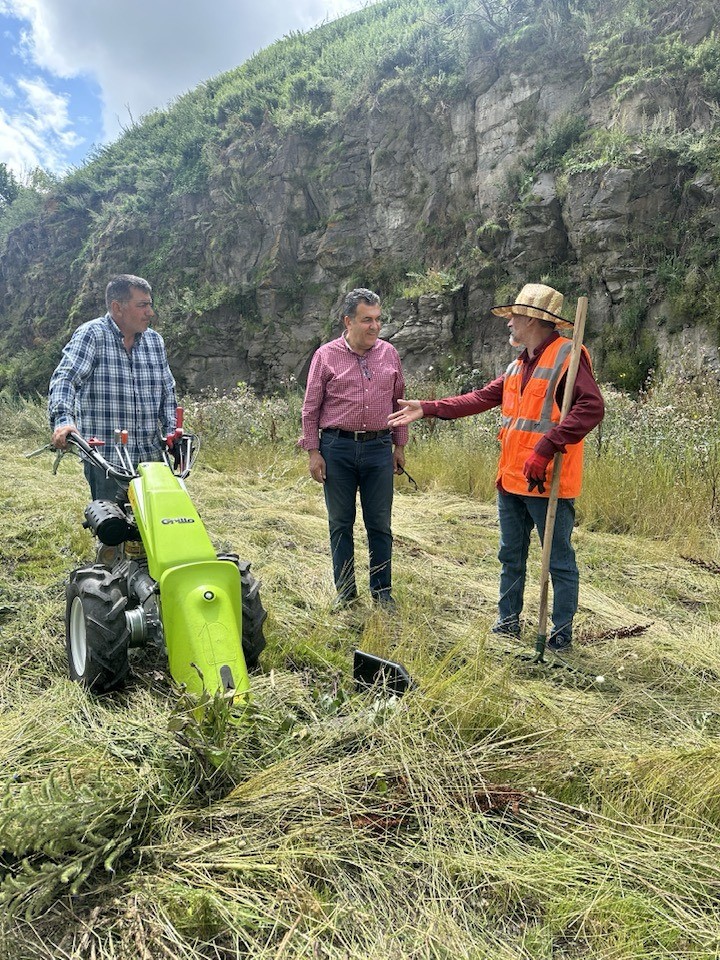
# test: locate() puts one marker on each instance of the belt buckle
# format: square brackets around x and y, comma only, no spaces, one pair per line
[357,435]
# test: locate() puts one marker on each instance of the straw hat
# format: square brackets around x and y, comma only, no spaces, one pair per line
[535,300]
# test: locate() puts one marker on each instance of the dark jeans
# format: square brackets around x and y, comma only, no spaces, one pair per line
[101,487]
[367,467]
[518,515]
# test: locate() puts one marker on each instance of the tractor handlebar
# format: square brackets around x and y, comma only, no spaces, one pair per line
[92,454]
[180,456]
[179,453]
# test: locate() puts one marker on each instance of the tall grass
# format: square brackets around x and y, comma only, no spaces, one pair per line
[497,810]
[652,467]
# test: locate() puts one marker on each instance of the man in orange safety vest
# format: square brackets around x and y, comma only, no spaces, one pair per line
[530,395]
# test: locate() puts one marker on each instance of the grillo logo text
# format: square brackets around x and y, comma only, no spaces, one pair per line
[177,520]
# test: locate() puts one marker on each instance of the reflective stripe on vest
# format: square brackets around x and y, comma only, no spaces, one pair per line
[528,414]
[552,375]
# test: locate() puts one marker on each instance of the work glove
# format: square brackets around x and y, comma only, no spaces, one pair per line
[535,470]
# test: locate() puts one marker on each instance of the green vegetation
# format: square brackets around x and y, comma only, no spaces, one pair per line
[9,187]
[303,83]
[21,200]
[308,81]
[498,811]
[693,285]
[629,353]
[432,281]
[249,198]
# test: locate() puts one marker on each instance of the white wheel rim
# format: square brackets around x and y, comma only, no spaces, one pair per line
[78,642]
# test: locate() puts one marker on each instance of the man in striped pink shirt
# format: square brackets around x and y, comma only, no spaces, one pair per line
[353,386]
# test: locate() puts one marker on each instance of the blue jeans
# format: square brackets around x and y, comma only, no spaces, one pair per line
[518,515]
[367,467]
[101,487]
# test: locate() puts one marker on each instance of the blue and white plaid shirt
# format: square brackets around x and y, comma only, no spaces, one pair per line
[101,387]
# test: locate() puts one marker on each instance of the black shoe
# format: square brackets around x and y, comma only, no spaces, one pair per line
[342,602]
[506,628]
[559,644]
[386,602]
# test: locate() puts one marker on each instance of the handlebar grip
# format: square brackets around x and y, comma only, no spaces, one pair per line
[91,454]
[79,442]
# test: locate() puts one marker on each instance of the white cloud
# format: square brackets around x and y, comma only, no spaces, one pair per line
[144,54]
[39,133]
[48,112]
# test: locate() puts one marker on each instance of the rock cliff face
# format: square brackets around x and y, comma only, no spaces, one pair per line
[471,195]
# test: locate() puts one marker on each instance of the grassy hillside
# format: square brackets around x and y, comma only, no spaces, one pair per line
[222,198]
[155,198]
[498,811]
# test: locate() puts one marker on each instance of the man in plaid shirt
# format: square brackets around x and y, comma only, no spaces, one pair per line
[353,386]
[114,375]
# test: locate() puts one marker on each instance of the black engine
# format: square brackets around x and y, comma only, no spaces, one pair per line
[109,523]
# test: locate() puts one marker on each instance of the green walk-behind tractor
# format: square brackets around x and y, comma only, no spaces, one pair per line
[158,580]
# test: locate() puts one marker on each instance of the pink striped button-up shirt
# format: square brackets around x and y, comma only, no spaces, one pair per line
[352,392]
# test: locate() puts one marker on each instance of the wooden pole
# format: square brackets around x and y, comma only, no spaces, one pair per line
[575,354]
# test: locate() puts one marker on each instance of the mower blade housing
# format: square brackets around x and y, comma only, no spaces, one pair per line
[201,612]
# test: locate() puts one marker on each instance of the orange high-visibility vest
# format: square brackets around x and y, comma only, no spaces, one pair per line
[528,414]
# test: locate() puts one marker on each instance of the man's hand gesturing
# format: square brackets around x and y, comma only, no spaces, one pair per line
[409,411]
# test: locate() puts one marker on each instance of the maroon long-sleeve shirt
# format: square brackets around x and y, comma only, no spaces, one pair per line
[586,411]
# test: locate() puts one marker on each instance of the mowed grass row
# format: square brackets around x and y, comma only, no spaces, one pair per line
[499,810]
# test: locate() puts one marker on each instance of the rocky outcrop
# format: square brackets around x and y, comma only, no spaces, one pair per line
[249,273]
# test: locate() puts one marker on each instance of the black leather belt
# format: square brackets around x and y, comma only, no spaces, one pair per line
[359,435]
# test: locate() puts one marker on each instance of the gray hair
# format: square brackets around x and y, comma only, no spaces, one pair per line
[120,288]
[357,296]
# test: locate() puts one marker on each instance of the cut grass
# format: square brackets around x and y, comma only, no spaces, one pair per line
[496,811]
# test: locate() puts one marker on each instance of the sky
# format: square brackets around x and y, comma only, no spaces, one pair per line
[73,73]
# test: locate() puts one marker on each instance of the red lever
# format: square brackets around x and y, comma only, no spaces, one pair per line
[179,413]
[124,437]
[96,442]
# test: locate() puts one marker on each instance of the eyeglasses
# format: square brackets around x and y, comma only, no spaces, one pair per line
[412,482]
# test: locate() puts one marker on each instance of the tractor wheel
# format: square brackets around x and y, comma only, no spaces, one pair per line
[96,633]
[253,616]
